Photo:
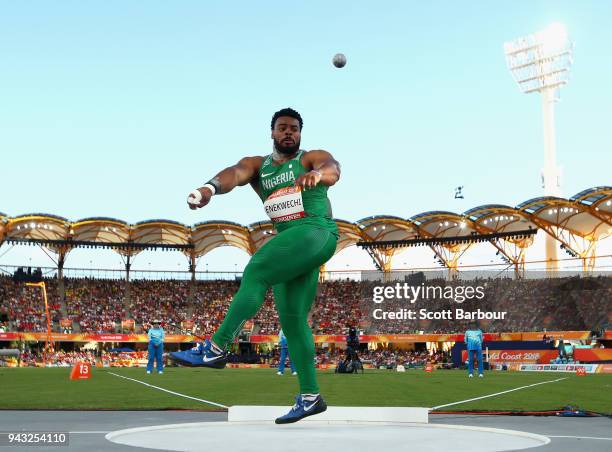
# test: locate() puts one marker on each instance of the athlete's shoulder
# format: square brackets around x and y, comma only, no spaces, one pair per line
[316,152]
[252,163]
[253,159]
[317,155]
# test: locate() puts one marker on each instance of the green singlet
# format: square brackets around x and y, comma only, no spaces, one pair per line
[289,263]
[316,205]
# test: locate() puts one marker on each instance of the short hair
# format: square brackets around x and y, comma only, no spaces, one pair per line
[287,112]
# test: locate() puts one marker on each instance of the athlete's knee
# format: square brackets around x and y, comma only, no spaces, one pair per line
[249,298]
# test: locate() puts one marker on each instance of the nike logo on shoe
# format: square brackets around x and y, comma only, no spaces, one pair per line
[207,359]
[312,405]
[302,409]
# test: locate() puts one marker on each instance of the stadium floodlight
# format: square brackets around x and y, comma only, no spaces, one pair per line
[541,62]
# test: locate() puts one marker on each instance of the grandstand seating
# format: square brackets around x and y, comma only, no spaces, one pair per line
[98,306]
[24,307]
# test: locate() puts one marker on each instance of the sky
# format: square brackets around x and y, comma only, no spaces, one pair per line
[120,109]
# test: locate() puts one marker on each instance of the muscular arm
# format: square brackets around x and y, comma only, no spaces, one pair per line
[239,174]
[242,173]
[321,162]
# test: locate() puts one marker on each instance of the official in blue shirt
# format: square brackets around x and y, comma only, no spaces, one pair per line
[473,339]
[284,354]
[156,347]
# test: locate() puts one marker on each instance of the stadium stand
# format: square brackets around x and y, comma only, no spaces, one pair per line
[24,307]
[99,306]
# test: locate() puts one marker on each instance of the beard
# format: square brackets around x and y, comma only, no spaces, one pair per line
[286,149]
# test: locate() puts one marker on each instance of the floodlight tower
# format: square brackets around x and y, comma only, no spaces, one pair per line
[541,62]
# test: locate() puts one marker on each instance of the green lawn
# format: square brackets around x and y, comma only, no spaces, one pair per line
[34,388]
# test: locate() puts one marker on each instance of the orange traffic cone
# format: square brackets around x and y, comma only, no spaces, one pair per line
[428,368]
[81,371]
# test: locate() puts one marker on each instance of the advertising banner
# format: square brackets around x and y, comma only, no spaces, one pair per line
[582,354]
[588,368]
[517,356]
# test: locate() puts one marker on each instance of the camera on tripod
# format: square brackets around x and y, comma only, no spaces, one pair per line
[28,276]
[351,363]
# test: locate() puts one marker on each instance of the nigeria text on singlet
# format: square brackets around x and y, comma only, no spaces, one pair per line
[288,205]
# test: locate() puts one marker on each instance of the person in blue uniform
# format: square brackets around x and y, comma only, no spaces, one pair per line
[156,347]
[284,354]
[473,338]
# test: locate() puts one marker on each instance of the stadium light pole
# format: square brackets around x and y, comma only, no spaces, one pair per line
[540,62]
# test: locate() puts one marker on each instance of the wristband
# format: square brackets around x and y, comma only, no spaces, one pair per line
[215,183]
[211,187]
[319,173]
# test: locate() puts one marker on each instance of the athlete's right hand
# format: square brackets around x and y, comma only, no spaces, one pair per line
[199,198]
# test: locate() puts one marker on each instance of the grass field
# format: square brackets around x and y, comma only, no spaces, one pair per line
[35,388]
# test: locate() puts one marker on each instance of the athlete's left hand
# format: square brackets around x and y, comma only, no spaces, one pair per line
[308,180]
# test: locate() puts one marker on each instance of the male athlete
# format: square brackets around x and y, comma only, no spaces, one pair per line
[292,184]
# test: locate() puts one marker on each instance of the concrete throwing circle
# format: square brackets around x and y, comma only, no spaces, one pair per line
[324,437]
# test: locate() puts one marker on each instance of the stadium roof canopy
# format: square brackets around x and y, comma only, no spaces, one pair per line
[208,235]
[593,196]
[3,220]
[499,218]
[599,201]
[386,227]
[349,234]
[164,232]
[573,217]
[101,230]
[443,224]
[587,215]
[38,226]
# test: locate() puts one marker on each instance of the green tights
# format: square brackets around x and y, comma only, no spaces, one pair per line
[290,264]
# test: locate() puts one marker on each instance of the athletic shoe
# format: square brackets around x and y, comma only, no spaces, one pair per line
[279,373]
[303,408]
[148,371]
[203,355]
[480,375]
[471,376]
[294,373]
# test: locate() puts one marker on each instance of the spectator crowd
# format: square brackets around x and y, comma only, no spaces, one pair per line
[100,306]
